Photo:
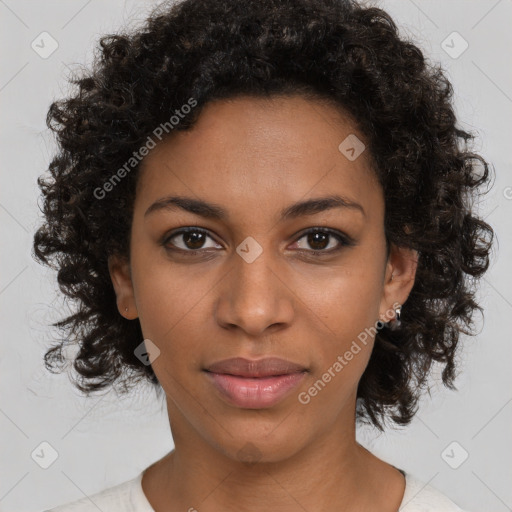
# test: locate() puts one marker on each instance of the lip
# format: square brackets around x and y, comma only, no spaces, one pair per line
[267,367]
[255,384]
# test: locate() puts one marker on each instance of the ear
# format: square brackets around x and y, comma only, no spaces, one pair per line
[120,274]
[398,280]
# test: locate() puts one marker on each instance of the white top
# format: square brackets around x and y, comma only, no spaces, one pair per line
[129,497]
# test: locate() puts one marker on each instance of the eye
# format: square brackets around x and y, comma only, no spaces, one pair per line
[192,240]
[319,239]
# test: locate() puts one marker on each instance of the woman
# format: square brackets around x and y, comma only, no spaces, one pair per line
[264,208]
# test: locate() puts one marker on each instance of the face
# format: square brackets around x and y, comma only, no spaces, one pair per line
[284,256]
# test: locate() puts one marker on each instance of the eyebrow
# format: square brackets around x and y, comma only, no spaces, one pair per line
[216,212]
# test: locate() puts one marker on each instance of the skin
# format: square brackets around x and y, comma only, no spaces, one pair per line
[254,157]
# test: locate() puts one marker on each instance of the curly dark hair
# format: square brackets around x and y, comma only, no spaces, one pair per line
[337,50]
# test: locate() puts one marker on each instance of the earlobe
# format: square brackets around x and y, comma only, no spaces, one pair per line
[120,275]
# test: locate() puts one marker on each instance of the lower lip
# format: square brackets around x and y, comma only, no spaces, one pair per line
[255,393]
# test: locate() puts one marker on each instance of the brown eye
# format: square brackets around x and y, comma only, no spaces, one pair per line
[324,240]
[192,239]
[318,240]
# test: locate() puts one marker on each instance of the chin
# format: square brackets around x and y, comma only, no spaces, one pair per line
[258,444]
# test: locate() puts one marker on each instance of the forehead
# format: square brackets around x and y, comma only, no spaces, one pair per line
[261,152]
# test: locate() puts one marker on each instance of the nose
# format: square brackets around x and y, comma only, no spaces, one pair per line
[255,297]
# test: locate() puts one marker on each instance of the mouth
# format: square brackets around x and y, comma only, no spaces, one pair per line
[255,384]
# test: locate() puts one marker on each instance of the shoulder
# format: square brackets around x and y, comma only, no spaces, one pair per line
[421,497]
[126,497]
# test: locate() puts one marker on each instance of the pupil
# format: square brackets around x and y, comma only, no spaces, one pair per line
[314,238]
[194,237]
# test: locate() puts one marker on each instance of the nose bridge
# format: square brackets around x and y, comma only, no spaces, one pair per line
[254,297]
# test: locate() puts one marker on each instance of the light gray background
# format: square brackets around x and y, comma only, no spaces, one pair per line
[105,440]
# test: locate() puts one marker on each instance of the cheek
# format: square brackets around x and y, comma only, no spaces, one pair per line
[166,293]
[341,354]
[345,313]
[346,303]
[171,313]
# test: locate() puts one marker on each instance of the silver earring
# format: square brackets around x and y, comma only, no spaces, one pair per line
[396,322]
[126,309]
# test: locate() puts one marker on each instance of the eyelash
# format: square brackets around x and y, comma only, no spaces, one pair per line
[345,240]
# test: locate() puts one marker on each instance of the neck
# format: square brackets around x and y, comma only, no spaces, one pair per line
[333,472]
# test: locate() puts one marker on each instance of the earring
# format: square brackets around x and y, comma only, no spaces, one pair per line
[126,309]
[397,321]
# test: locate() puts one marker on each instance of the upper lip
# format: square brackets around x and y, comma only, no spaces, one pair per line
[270,366]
